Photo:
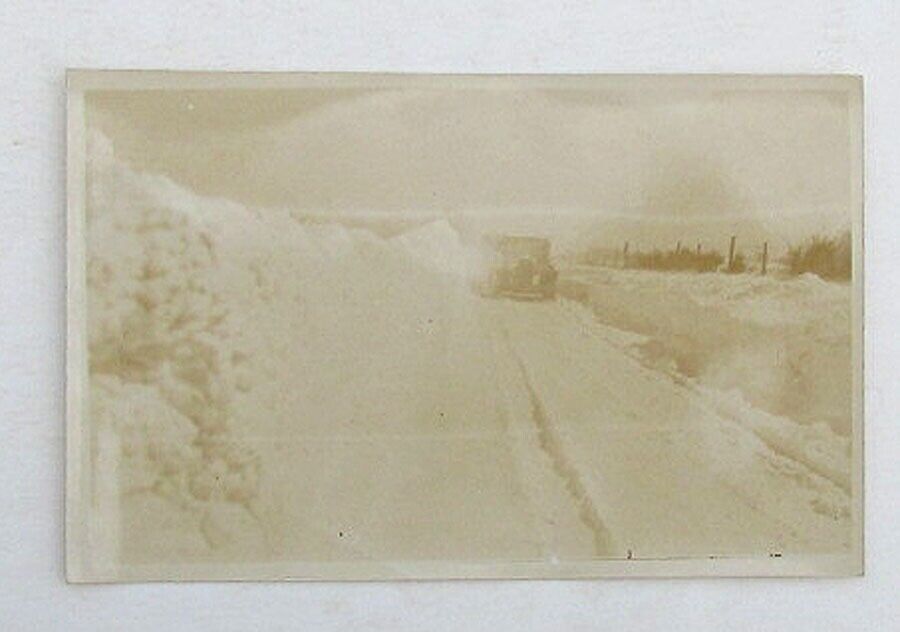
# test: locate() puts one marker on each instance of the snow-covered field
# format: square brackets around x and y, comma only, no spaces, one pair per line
[268,389]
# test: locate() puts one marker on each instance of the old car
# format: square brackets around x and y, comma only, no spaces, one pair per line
[519,267]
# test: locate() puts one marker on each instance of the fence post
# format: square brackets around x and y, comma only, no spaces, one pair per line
[625,255]
[765,256]
[731,253]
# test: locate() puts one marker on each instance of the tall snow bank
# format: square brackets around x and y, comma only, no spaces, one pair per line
[163,368]
[186,293]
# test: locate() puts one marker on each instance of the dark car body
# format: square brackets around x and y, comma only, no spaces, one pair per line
[520,267]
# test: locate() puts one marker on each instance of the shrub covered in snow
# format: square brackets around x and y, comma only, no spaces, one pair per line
[827,257]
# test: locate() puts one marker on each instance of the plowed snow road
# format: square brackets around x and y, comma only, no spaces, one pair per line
[496,429]
[668,475]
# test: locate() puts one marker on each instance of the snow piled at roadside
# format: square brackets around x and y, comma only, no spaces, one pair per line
[163,366]
[773,355]
[816,446]
[784,344]
[179,289]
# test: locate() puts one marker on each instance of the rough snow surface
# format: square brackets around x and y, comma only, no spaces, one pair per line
[783,343]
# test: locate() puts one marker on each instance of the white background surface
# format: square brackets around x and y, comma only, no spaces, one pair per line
[38,40]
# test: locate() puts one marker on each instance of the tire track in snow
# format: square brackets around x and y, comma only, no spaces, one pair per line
[551,443]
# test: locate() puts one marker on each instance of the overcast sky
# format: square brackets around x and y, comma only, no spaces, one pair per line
[430,150]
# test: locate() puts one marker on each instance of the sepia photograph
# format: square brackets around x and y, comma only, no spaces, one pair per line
[374,326]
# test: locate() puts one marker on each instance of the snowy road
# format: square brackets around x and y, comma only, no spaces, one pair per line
[666,474]
[517,430]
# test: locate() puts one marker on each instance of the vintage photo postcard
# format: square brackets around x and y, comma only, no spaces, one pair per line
[349,326]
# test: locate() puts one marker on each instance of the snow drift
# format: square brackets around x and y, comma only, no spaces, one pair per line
[783,343]
[169,351]
[771,354]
